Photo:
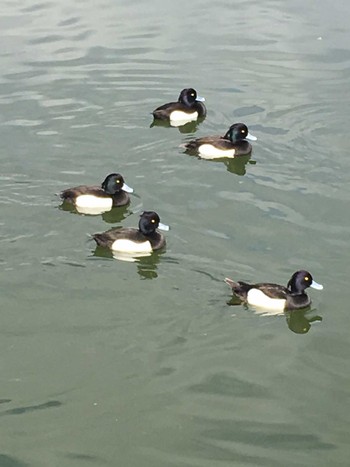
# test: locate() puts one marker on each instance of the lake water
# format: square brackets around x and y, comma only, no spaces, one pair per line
[113,363]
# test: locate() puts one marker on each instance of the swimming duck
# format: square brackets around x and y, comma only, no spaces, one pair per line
[234,143]
[274,296]
[188,108]
[113,192]
[145,239]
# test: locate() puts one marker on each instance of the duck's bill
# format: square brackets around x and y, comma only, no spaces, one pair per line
[316,286]
[163,227]
[127,188]
[200,99]
[251,137]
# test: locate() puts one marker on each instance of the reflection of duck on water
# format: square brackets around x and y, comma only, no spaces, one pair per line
[187,128]
[299,321]
[237,165]
[116,215]
[147,263]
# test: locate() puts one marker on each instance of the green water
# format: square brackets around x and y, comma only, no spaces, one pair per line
[112,363]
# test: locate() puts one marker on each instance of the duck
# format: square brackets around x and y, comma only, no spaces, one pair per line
[113,192]
[188,108]
[277,297]
[145,239]
[233,144]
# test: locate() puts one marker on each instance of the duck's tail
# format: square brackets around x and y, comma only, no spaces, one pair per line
[99,239]
[231,283]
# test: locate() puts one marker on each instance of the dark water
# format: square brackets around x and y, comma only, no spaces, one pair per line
[107,363]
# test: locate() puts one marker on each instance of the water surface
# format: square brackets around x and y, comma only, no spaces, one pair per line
[107,362]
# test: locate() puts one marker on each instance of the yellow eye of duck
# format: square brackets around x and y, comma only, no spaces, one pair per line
[117,181]
[153,221]
[306,278]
